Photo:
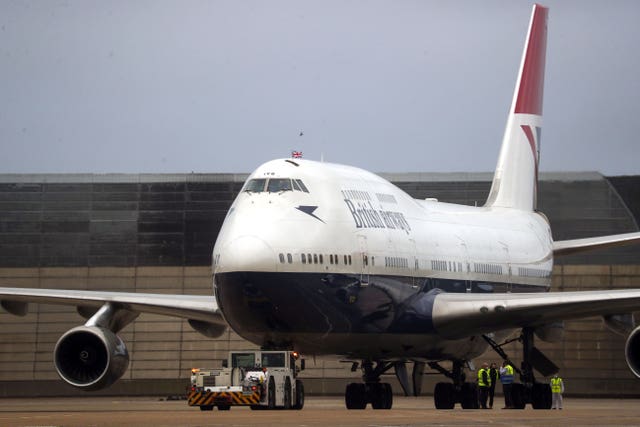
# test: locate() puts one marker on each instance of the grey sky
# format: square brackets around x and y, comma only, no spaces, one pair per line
[390,86]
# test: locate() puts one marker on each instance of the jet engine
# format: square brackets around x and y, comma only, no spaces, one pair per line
[90,357]
[632,351]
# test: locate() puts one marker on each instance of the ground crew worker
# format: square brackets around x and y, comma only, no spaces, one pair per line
[506,378]
[557,388]
[493,376]
[484,382]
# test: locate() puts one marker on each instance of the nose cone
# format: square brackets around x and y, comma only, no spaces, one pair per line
[245,253]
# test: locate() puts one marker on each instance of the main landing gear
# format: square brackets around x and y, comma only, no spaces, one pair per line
[380,395]
[529,390]
[446,395]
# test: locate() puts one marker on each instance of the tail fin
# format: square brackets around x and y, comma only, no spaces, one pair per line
[515,180]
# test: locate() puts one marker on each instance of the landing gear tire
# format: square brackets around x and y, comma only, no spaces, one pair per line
[224,407]
[469,396]
[355,396]
[271,394]
[287,394]
[518,396]
[388,392]
[444,396]
[541,396]
[299,395]
[206,408]
[381,396]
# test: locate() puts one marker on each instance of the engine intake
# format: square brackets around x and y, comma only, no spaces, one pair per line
[90,358]
[632,351]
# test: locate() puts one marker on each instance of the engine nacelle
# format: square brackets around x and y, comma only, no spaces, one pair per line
[90,358]
[632,351]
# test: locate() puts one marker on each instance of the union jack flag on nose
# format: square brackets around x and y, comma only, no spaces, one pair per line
[296,154]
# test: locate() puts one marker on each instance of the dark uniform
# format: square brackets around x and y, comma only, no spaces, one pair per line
[493,376]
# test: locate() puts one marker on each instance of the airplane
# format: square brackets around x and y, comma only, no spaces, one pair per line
[325,258]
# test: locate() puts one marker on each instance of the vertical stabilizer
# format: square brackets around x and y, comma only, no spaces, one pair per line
[516,178]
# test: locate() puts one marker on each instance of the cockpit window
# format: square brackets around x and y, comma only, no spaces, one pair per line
[279,184]
[274,185]
[255,185]
[301,184]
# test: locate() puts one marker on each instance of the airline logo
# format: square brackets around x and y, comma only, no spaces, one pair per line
[309,210]
[366,216]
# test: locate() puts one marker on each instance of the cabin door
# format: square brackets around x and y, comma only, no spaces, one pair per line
[365,261]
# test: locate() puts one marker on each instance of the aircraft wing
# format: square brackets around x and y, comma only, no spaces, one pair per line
[199,309]
[568,247]
[461,315]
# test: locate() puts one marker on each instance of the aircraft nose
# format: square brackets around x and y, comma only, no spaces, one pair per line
[246,253]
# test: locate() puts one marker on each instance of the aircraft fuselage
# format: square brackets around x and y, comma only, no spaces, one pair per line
[331,259]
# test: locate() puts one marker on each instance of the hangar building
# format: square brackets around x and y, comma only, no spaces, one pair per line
[155,233]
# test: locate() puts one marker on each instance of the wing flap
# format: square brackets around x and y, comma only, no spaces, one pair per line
[201,308]
[461,315]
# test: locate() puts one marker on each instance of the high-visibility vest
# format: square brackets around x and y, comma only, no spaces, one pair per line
[481,382]
[507,376]
[556,385]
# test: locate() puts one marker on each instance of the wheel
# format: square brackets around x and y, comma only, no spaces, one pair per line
[443,396]
[224,407]
[541,396]
[355,396]
[388,395]
[469,396]
[206,408]
[517,396]
[287,394]
[299,395]
[381,396]
[271,394]
[376,395]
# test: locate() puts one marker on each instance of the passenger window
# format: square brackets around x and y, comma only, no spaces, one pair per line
[303,258]
[315,258]
[321,259]
[281,258]
[279,184]
[255,185]
[289,258]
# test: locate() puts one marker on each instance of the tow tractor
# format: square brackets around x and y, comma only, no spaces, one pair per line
[255,378]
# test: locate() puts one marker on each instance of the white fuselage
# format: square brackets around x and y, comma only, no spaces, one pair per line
[349,253]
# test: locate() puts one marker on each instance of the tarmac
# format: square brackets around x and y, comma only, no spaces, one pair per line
[318,411]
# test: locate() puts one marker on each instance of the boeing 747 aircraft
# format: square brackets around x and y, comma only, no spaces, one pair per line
[330,259]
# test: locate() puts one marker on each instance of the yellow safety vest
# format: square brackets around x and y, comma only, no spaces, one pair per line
[556,385]
[481,382]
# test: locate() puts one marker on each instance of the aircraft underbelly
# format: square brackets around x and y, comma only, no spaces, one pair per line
[386,317]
